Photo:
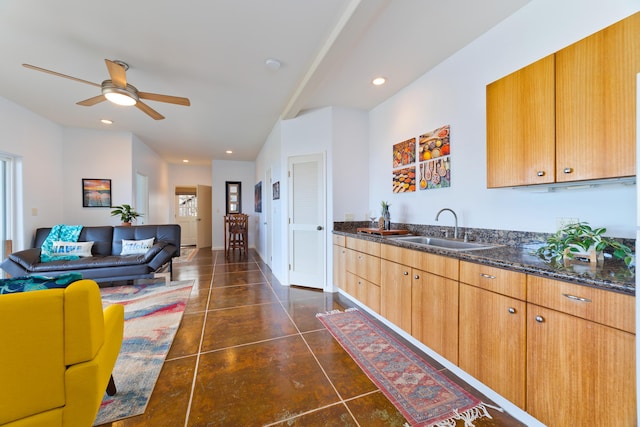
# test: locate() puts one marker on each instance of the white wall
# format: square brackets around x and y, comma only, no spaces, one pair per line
[101,155]
[270,159]
[350,154]
[454,93]
[339,133]
[226,170]
[37,143]
[185,175]
[147,162]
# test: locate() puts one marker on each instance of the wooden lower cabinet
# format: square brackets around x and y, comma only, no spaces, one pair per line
[579,373]
[423,304]
[395,293]
[493,341]
[364,291]
[339,266]
[434,313]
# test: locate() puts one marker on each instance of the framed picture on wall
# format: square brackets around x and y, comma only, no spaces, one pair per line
[258,197]
[276,190]
[96,193]
[233,196]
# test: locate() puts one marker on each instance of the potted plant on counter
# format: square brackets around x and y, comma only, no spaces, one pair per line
[581,241]
[126,212]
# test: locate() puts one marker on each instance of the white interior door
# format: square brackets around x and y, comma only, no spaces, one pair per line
[268,214]
[307,217]
[186,203]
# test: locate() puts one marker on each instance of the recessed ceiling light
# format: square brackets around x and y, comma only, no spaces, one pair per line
[272,64]
[379,81]
[107,121]
[229,152]
[185,161]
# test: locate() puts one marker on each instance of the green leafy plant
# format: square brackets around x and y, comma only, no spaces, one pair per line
[385,206]
[581,238]
[126,212]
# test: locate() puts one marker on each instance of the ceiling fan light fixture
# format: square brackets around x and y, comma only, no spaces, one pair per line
[125,96]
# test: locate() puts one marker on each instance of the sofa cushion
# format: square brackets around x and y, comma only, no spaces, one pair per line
[130,247]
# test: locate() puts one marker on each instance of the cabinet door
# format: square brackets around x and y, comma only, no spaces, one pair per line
[351,284]
[339,266]
[395,294]
[521,127]
[596,104]
[434,313]
[492,341]
[579,373]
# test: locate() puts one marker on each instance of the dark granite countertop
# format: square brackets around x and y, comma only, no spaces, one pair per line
[613,275]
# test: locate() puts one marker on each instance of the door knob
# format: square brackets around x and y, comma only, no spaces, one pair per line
[319,228]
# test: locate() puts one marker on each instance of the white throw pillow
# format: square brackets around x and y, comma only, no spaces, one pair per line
[130,247]
[82,249]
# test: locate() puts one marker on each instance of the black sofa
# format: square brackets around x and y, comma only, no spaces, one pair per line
[106,264]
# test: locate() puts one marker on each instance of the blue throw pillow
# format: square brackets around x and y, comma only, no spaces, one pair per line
[36,283]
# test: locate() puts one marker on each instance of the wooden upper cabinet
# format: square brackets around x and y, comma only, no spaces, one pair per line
[596,104]
[521,127]
[570,116]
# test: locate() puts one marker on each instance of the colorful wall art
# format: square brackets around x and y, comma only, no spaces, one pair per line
[434,159]
[404,155]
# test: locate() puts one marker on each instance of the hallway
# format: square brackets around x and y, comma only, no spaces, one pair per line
[250,352]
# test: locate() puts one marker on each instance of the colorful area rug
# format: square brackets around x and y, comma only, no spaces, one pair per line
[186,254]
[152,314]
[423,395]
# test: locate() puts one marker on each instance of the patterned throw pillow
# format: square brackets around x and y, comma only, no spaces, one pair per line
[131,247]
[36,283]
[81,249]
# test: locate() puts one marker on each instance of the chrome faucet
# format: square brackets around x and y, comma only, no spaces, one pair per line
[455,229]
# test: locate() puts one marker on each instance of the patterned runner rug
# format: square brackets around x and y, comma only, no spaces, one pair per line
[152,314]
[423,395]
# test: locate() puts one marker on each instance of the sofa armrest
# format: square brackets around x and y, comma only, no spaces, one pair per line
[26,258]
[154,251]
[163,257]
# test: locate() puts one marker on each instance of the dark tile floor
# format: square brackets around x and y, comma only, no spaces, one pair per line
[250,352]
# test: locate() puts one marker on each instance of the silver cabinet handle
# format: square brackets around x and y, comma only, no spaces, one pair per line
[487,276]
[512,310]
[539,319]
[567,170]
[541,173]
[416,277]
[576,298]
[319,228]
[406,273]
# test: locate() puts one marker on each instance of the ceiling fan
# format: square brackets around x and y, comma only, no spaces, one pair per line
[118,91]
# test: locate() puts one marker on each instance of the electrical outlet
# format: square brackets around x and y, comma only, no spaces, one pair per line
[563,221]
[348,217]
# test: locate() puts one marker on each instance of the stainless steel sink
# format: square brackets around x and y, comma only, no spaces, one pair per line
[448,244]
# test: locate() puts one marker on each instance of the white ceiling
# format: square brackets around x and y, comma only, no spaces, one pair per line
[213,52]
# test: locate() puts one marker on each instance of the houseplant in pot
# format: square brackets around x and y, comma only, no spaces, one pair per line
[126,212]
[581,241]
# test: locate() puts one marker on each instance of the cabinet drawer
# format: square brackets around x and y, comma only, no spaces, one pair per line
[338,240]
[494,279]
[431,263]
[371,248]
[601,306]
[363,265]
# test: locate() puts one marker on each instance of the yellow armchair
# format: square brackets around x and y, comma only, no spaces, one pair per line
[57,350]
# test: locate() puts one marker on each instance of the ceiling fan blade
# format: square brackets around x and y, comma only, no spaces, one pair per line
[148,110]
[117,73]
[44,70]
[165,98]
[92,101]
